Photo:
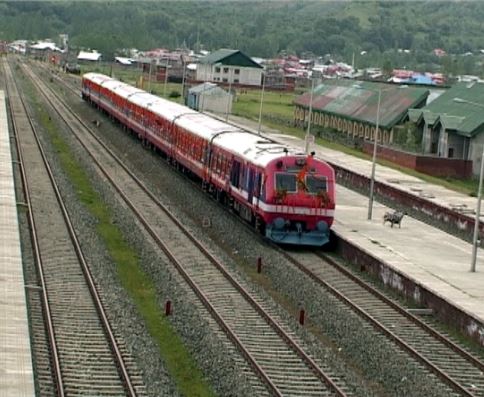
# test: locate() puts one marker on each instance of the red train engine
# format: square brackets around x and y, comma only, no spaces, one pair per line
[288,196]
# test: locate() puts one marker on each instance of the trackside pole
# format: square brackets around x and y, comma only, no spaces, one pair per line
[168,308]
[301,316]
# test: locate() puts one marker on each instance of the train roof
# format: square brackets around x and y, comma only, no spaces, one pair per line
[254,148]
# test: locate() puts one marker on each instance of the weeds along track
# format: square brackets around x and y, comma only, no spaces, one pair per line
[274,359]
[83,352]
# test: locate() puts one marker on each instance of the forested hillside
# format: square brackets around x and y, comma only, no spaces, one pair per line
[260,28]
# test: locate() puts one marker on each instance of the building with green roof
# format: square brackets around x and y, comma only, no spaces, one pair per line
[453,123]
[350,107]
[229,67]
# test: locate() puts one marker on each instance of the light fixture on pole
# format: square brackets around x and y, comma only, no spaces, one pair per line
[475,235]
[149,76]
[308,132]
[373,160]
[229,98]
[375,146]
[261,101]
[183,78]
[166,79]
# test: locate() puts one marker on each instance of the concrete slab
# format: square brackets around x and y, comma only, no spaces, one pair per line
[16,373]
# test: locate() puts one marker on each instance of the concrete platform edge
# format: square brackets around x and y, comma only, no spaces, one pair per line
[411,289]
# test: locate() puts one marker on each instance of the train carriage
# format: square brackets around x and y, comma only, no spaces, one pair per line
[287,195]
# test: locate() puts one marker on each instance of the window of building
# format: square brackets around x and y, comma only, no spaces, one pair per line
[225,80]
[217,70]
[451,153]
[236,80]
[226,70]
[237,71]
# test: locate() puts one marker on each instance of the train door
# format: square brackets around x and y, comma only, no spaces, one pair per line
[250,184]
[235,174]
[257,186]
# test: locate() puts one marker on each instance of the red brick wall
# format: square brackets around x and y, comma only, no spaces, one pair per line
[436,166]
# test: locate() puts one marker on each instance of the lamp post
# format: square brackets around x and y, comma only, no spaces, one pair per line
[375,145]
[479,197]
[229,98]
[261,101]
[183,78]
[166,79]
[149,75]
[308,132]
[373,160]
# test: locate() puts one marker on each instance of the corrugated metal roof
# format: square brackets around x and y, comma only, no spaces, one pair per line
[207,86]
[229,57]
[358,100]
[89,56]
[218,55]
[465,103]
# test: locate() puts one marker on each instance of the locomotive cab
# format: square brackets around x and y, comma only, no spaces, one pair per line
[300,190]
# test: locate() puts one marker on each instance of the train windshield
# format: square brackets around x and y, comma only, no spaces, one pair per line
[315,184]
[286,182]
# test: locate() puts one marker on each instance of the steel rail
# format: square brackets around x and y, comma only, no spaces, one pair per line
[309,361]
[86,271]
[380,327]
[35,242]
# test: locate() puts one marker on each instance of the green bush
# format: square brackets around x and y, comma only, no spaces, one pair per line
[174,94]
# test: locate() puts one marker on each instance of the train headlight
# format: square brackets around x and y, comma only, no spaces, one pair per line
[279,223]
[322,226]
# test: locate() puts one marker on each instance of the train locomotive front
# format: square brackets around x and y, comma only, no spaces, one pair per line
[299,200]
[287,195]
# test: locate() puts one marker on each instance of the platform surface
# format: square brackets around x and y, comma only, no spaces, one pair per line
[16,374]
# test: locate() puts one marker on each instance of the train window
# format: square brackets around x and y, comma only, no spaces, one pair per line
[263,189]
[286,182]
[235,173]
[316,184]
[258,183]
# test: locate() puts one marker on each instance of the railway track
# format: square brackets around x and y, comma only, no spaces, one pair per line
[83,352]
[275,355]
[446,358]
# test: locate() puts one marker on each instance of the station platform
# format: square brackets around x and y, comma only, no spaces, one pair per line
[435,262]
[16,373]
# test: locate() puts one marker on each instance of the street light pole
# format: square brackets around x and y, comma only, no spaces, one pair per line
[475,235]
[308,132]
[166,79]
[478,214]
[261,101]
[229,98]
[373,162]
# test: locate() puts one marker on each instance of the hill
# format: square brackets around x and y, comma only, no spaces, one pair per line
[260,28]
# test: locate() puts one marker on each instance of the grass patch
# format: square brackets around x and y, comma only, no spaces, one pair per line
[179,362]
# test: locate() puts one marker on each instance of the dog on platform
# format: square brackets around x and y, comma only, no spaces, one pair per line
[395,218]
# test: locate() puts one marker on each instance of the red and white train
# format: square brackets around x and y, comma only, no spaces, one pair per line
[287,195]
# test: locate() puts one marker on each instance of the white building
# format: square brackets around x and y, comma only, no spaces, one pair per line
[229,67]
[209,97]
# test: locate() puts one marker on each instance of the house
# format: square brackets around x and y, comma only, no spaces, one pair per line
[209,97]
[229,67]
[85,56]
[351,108]
[453,124]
